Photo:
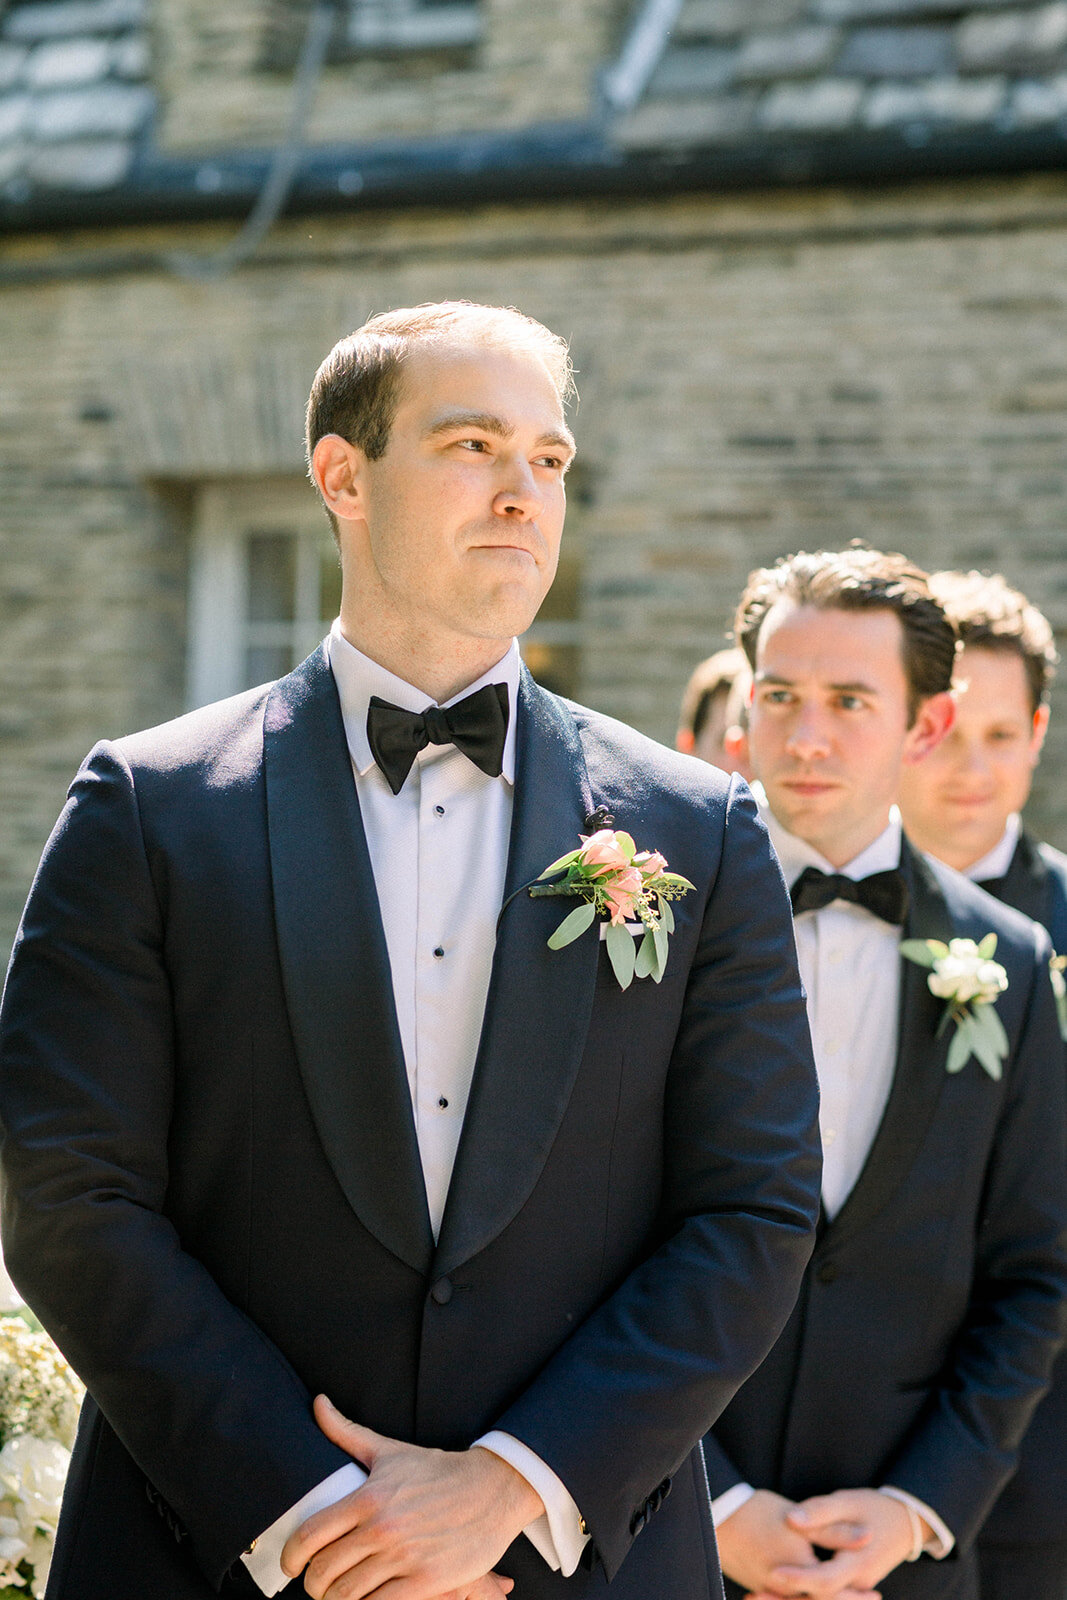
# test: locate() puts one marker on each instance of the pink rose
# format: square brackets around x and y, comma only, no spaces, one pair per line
[620,893]
[604,851]
[651,863]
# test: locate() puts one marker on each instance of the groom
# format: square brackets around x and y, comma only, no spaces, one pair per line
[298,1102]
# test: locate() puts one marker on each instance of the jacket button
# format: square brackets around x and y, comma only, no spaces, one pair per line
[441,1293]
[637,1521]
[827,1271]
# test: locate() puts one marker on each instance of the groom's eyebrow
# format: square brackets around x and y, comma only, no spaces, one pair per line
[500,427]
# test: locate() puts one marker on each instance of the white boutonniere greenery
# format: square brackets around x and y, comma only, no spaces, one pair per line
[1059,989]
[613,879]
[965,975]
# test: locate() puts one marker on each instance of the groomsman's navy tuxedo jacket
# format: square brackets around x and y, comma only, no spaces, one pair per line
[212,1189]
[933,1305]
[1033,1507]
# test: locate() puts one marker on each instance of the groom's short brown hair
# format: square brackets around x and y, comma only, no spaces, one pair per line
[989,614]
[859,579]
[357,388]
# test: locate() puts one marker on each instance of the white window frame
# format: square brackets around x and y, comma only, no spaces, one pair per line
[219,631]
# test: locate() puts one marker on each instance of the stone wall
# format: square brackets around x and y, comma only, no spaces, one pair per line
[757,373]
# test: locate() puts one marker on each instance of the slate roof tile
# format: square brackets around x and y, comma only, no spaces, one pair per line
[916,52]
[827,106]
[963,100]
[1036,101]
[1014,41]
[64,19]
[791,53]
[12,58]
[64,63]
[672,125]
[699,70]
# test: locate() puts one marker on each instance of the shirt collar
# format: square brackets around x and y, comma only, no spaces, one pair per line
[995,862]
[358,678]
[882,855]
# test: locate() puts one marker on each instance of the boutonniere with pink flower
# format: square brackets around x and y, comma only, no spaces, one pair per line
[965,975]
[614,879]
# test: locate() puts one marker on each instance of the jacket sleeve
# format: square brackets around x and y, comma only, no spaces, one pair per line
[623,1402]
[965,1446]
[209,1409]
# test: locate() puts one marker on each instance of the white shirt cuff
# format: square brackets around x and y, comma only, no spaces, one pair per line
[264,1560]
[732,1500]
[943,1540]
[559,1536]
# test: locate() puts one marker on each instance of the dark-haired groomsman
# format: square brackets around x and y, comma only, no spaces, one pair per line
[866,1451]
[961,803]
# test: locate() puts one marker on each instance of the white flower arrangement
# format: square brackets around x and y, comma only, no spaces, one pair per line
[966,976]
[39,1401]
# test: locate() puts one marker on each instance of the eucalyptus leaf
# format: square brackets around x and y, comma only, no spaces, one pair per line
[573,925]
[666,914]
[660,937]
[674,880]
[918,950]
[626,845]
[987,1021]
[961,1048]
[622,953]
[646,957]
[987,1053]
[939,949]
[564,861]
[987,949]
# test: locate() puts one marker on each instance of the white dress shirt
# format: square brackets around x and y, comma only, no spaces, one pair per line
[850,964]
[995,863]
[439,853]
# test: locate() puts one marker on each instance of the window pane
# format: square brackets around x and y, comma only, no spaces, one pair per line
[265,662]
[271,577]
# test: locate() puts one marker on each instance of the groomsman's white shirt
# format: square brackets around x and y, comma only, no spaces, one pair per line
[850,963]
[439,854]
[997,861]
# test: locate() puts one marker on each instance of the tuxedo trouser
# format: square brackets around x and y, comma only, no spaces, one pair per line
[1023,1571]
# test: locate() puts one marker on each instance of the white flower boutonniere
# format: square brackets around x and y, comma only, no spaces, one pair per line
[614,879]
[1059,989]
[966,976]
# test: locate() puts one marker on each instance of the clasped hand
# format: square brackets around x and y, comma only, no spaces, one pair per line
[426,1525]
[770,1544]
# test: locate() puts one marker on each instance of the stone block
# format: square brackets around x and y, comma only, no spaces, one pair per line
[64,64]
[59,19]
[12,60]
[789,53]
[898,53]
[687,124]
[109,109]
[12,161]
[967,101]
[828,106]
[87,164]
[1017,41]
[702,69]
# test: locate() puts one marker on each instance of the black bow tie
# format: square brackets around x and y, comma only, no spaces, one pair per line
[477,725]
[884,893]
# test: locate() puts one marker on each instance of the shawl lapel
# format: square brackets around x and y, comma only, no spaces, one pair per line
[1026,884]
[335,966]
[919,1075]
[539,1001]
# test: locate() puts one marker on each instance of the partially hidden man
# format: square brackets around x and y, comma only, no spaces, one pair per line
[867,1450]
[318,1161]
[962,803]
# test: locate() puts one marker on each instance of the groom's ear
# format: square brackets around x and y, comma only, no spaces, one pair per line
[933,720]
[338,468]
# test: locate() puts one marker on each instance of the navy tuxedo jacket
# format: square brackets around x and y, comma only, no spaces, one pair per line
[212,1190]
[1033,1507]
[931,1311]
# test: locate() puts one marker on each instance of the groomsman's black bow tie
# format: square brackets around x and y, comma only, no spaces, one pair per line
[477,725]
[884,893]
